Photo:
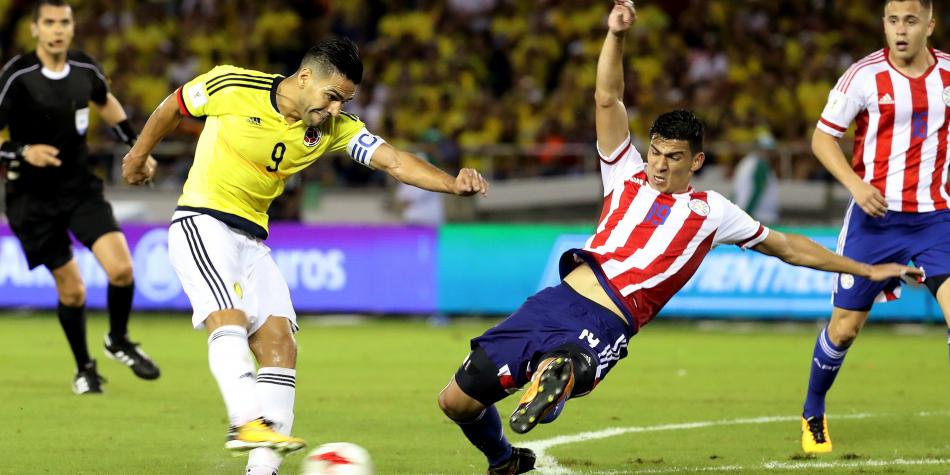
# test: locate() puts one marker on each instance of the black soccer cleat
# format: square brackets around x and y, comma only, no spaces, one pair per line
[521,461]
[87,380]
[550,386]
[129,354]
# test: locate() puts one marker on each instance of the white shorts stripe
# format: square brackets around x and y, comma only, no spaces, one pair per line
[220,267]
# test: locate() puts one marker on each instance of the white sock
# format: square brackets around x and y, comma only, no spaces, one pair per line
[230,360]
[276,389]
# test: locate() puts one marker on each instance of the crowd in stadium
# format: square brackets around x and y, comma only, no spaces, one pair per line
[465,76]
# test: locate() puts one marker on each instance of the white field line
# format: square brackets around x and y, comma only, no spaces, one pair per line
[547,465]
[787,466]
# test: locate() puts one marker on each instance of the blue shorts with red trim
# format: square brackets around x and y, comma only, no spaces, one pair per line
[921,238]
[554,317]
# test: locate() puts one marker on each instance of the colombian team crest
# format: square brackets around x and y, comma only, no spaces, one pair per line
[312,137]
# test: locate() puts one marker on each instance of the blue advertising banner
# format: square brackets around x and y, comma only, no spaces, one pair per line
[328,269]
[493,268]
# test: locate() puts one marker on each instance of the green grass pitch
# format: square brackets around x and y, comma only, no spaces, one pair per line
[689,398]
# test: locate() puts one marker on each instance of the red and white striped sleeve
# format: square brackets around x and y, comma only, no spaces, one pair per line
[848,98]
[738,227]
[620,164]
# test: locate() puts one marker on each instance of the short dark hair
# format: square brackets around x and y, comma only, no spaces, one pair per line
[927,4]
[336,55]
[679,125]
[40,3]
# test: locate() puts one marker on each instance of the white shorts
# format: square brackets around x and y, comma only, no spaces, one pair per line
[221,268]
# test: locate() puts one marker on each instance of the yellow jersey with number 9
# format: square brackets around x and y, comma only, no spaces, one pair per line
[247,149]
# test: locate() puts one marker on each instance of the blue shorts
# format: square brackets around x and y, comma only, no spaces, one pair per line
[923,238]
[551,318]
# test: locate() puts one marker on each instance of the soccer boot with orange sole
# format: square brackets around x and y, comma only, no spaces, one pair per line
[260,433]
[815,438]
[551,385]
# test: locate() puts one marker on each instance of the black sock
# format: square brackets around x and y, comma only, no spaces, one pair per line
[120,305]
[73,320]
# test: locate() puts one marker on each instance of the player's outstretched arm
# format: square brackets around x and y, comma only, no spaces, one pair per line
[798,250]
[137,166]
[829,153]
[610,114]
[412,170]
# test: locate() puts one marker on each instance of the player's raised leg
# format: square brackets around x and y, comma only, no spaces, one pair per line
[112,252]
[830,349]
[477,416]
[547,393]
[276,352]
[71,311]
[230,361]
[206,255]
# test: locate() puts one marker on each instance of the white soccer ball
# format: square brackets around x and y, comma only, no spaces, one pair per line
[337,458]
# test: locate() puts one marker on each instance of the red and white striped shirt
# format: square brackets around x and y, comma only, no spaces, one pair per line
[900,144]
[648,244]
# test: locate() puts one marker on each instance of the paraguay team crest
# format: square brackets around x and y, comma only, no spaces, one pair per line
[699,207]
[946,96]
[312,137]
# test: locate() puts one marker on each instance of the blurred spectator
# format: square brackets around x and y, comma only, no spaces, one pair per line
[418,206]
[286,207]
[488,72]
[755,183]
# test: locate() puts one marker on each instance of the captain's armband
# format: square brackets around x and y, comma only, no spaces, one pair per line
[362,146]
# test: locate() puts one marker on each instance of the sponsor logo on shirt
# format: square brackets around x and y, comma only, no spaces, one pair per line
[887,100]
[254,121]
[946,96]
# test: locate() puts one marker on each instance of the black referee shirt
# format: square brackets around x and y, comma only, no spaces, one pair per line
[43,107]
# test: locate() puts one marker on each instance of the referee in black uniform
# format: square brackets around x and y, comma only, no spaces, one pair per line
[44,100]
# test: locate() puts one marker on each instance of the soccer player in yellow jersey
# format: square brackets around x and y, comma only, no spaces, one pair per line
[261,129]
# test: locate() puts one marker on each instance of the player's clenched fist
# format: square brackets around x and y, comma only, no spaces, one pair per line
[622,17]
[468,182]
[137,171]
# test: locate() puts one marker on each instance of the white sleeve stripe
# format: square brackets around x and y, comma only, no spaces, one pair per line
[617,152]
[89,66]
[830,130]
[3,92]
[759,236]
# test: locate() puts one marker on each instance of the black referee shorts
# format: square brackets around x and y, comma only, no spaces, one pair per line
[41,224]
